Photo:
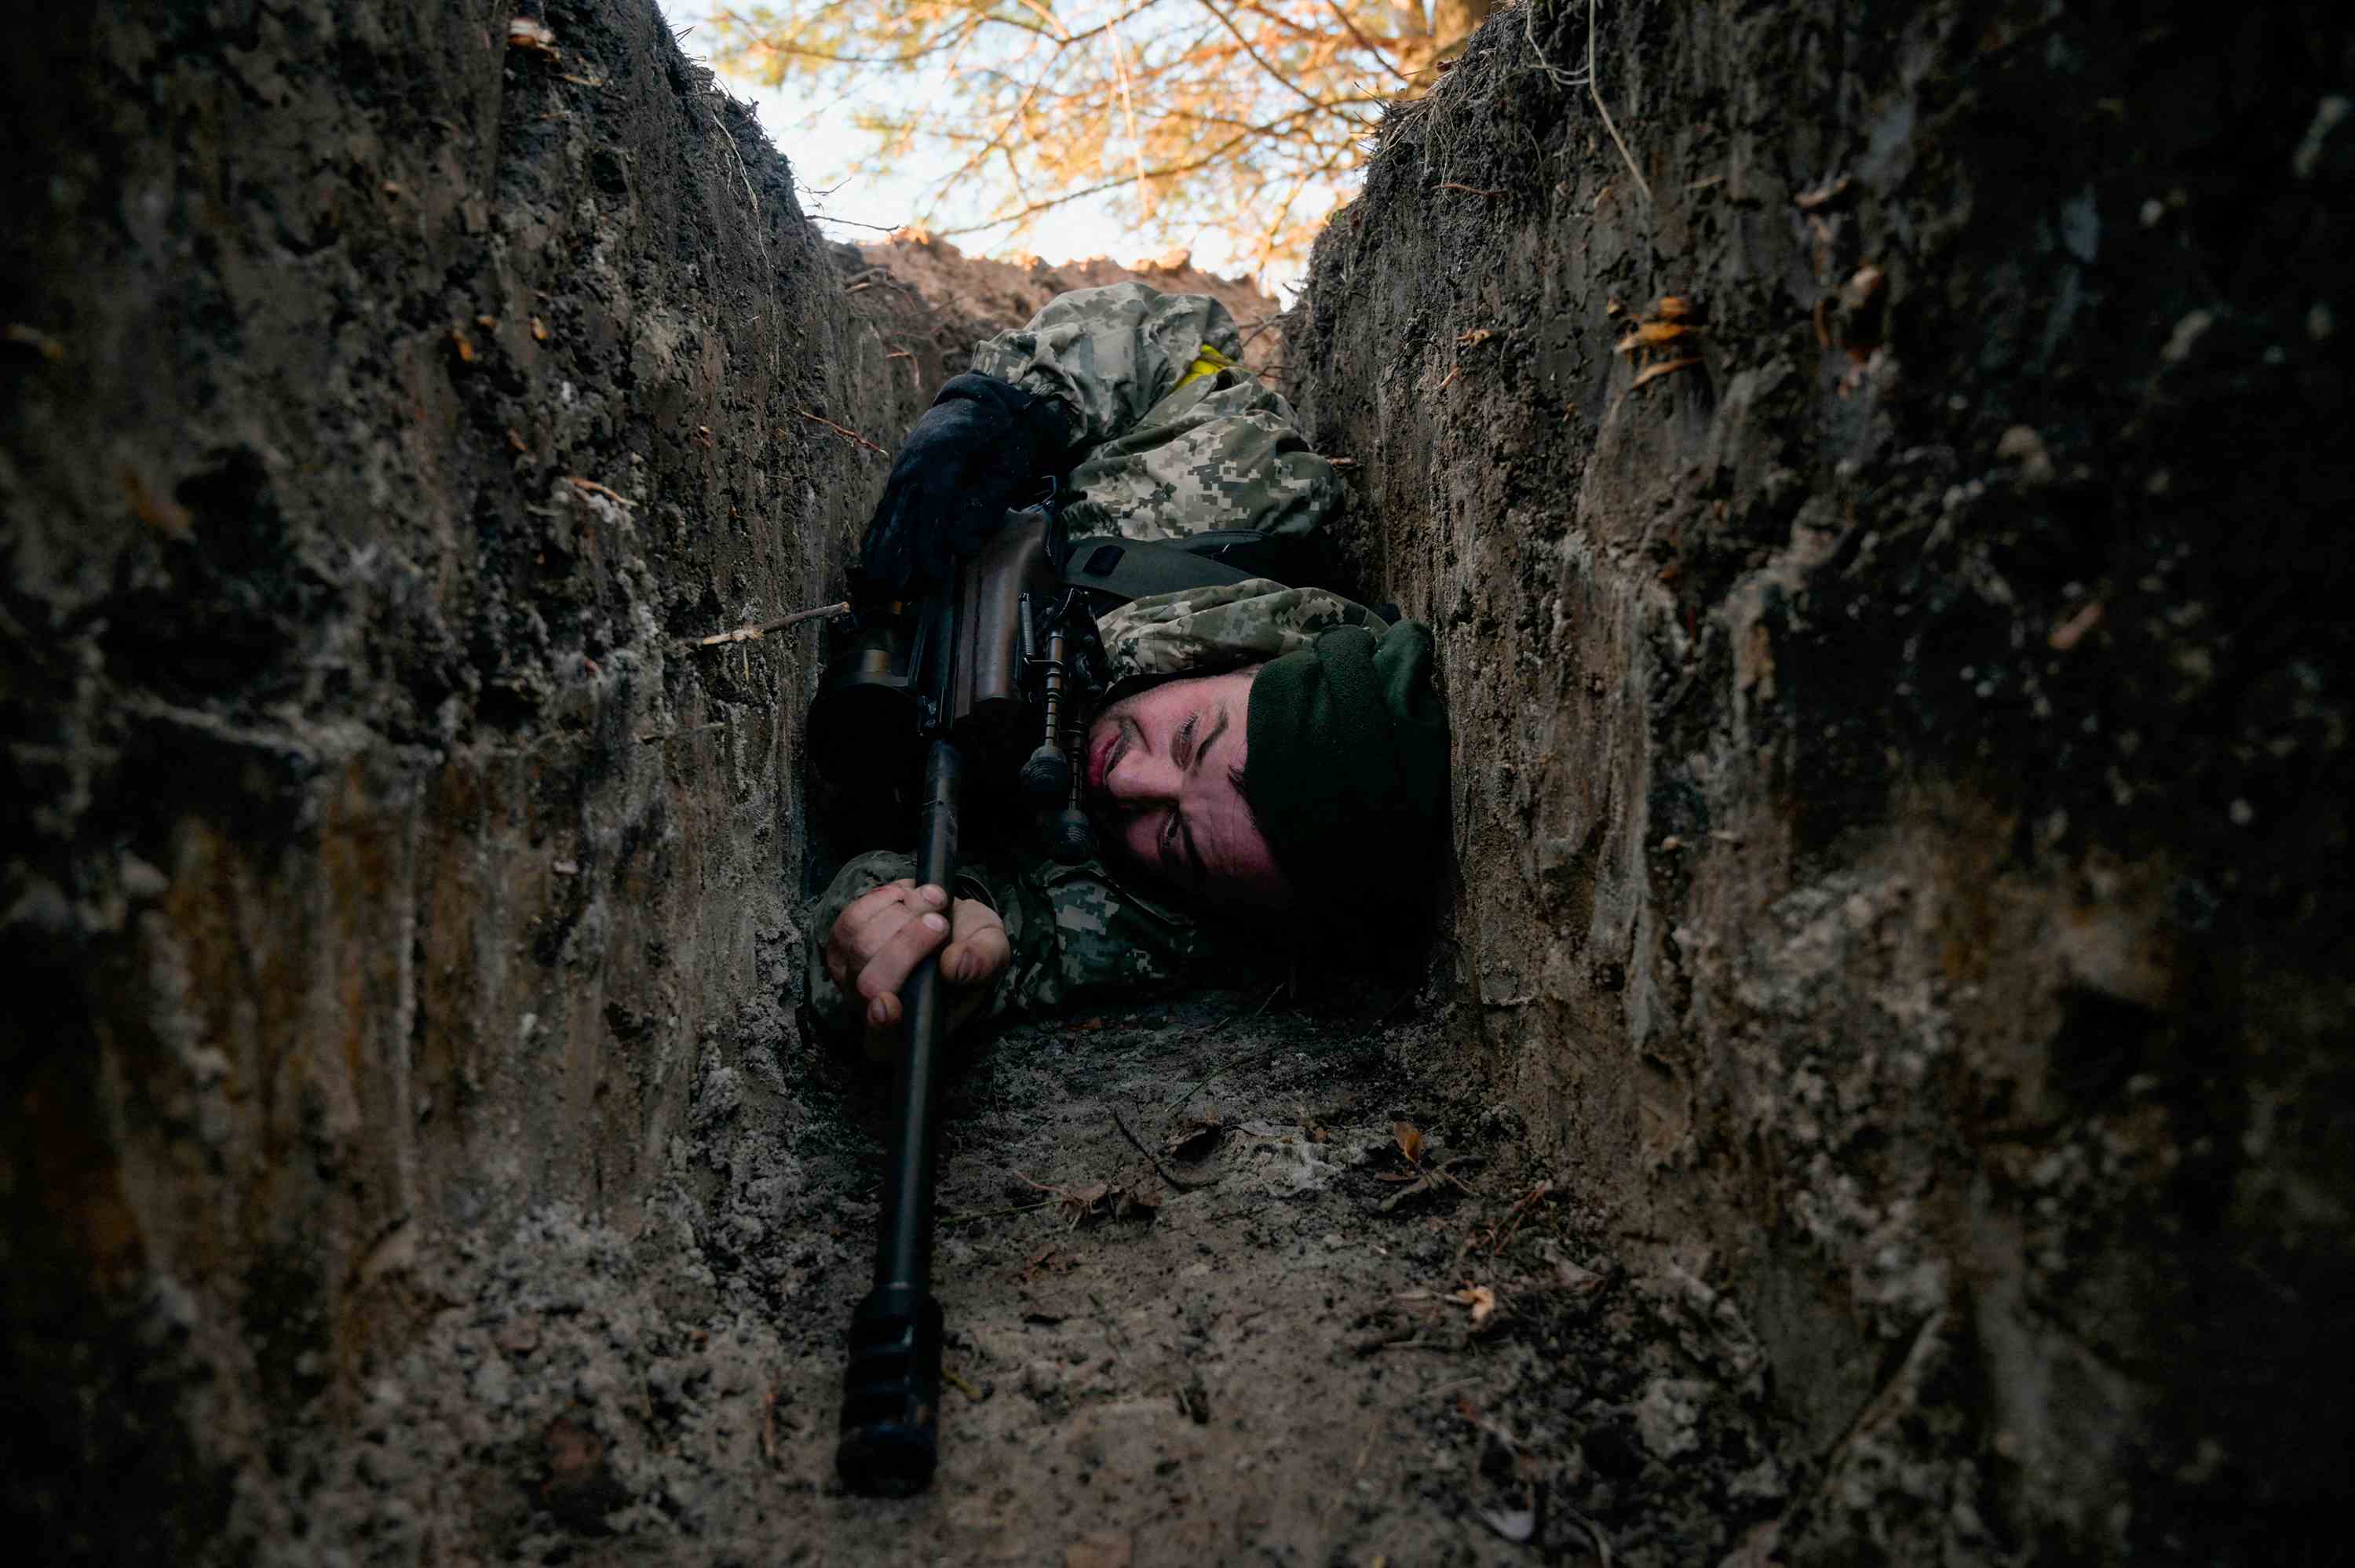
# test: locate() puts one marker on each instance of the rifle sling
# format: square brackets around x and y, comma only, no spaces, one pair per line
[1132,568]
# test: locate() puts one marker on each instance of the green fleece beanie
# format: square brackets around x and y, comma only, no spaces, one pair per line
[1347,769]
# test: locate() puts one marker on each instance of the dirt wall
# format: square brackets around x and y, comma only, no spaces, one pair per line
[1884,527]
[387,402]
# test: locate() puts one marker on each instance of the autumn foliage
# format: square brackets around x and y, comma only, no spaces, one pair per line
[1241,116]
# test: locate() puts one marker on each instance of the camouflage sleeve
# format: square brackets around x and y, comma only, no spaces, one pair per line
[1111,354]
[1075,935]
[1198,631]
[1181,439]
[837,1011]
[1081,936]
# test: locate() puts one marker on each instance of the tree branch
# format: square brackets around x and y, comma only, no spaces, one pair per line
[1367,44]
[1256,57]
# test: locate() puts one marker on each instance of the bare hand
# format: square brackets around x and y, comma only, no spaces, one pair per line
[883,935]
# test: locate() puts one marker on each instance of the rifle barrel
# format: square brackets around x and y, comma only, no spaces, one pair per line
[891,1401]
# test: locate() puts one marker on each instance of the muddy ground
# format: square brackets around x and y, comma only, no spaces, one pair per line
[1887,1026]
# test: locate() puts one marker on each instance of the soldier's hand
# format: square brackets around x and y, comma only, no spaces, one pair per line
[883,935]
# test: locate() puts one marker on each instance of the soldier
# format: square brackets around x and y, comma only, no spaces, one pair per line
[1267,755]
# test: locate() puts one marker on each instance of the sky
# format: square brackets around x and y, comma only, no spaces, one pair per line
[817,137]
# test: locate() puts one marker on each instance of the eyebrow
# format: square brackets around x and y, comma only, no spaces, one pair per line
[1200,873]
[1209,740]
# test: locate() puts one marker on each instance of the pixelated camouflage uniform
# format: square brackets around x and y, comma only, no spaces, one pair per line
[1179,439]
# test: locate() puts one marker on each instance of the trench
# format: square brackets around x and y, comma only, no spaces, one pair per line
[1876,1089]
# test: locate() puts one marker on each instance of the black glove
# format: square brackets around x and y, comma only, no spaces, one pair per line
[981,446]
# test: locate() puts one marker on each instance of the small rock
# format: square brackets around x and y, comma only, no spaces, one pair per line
[1042,1379]
[518,1336]
[2187,336]
[2022,445]
[142,881]
[580,1488]
[1667,1415]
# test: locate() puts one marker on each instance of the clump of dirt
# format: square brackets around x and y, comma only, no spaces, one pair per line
[1868,488]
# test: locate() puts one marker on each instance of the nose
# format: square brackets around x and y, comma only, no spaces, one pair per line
[1141,778]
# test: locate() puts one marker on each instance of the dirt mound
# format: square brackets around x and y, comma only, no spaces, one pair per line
[946,301]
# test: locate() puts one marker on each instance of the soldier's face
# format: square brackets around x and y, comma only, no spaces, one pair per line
[1161,771]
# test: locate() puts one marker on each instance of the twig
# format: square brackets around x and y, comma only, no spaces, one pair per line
[840,430]
[760,228]
[996,1214]
[956,1381]
[753,633]
[1668,368]
[1239,1012]
[1594,92]
[674,733]
[1243,1060]
[1475,190]
[591,487]
[1151,1159]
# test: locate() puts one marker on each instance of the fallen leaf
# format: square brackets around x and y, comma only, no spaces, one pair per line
[37,340]
[159,511]
[2067,635]
[1652,334]
[1516,1526]
[1474,338]
[1196,1138]
[523,33]
[1139,1197]
[1480,1299]
[1675,308]
[1823,196]
[1410,1140]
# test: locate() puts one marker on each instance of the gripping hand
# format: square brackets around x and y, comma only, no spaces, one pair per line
[977,452]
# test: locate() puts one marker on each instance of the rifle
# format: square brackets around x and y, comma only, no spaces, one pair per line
[958,683]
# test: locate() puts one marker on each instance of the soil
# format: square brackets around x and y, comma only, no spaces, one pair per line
[1268,1364]
[1898,655]
[1889,1012]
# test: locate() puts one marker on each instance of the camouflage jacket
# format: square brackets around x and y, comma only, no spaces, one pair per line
[1180,440]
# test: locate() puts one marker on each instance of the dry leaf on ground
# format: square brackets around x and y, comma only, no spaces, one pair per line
[1410,1140]
[1480,1299]
[1196,1138]
[524,33]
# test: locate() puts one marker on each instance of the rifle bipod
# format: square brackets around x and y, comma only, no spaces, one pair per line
[891,1394]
